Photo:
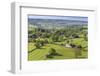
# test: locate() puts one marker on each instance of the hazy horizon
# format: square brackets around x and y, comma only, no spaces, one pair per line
[67,18]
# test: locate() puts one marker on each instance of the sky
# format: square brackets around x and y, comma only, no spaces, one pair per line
[76,18]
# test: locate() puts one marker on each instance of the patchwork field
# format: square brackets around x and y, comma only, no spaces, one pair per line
[40,54]
[57,37]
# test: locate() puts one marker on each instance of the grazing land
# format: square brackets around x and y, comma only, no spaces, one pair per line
[52,39]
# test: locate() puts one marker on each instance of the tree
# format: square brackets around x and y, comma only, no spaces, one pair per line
[72,45]
[56,38]
[60,38]
[38,45]
[80,50]
[75,36]
[52,51]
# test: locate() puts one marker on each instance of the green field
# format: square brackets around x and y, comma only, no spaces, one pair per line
[40,54]
[52,39]
[54,46]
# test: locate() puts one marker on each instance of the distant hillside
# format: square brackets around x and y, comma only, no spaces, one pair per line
[34,21]
[53,23]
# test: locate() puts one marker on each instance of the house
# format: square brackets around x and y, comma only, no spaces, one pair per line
[68,46]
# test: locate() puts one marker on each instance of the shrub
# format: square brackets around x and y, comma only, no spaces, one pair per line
[49,56]
[72,45]
[52,51]
[79,46]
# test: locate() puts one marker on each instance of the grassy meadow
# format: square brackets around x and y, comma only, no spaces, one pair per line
[56,39]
